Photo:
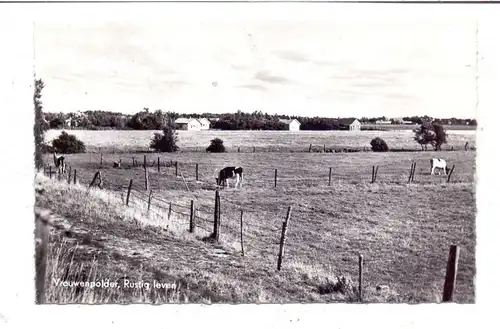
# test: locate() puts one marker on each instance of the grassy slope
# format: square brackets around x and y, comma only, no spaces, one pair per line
[404,232]
[99,240]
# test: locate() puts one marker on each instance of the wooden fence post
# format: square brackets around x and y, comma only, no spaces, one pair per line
[191,218]
[96,180]
[196,172]
[466,145]
[241,233]
[283,237]
[42,236]
[101,159]
[451,274]
[176,168]
[50,171]
[360,278]
[275,177]
[449,174]
[216,216]
[324,148]
[169,211]
[158,164]
[146,179]
[310,148]
[149,200]
[74,177]
[238,149]
[413,173]
[330,177]
[69,176]
[128,191]
[373,174]
[133,162]
[254,149]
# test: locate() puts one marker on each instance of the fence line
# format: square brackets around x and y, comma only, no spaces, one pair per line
[233,227]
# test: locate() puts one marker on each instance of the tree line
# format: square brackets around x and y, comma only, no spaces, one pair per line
[257,120]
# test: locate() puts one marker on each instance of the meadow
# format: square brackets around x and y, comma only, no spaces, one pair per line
[403,230]
[138,140]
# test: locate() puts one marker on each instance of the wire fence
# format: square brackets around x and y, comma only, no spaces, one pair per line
[258,232]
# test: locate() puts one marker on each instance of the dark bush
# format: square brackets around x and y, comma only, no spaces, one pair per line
[379,145]
[45,148]
[166,142]
[216,146]
[66,143]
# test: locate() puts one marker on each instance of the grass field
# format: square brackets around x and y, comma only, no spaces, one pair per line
[411,127]
[403,231]
[130,141]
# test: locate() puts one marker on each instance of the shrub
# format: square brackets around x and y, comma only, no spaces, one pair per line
[216,146]
[430,133]
[66,143]
[46,148]
[379,145]
[166,142]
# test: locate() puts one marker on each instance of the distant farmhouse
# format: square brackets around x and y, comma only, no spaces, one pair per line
[383,122]
[291,124]
[400,121]
[205,124]
[349,124]
[192,124]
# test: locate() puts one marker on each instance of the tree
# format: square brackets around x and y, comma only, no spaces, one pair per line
[166,142]
[430,133]
[440,134]
[40,126]
[66,143]
[216,146]
[379,145]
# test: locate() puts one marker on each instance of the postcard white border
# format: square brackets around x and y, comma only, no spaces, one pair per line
[16,240]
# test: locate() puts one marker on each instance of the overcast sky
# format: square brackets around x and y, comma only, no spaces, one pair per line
[325,68]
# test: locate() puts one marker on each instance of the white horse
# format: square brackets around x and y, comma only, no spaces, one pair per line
[439,164]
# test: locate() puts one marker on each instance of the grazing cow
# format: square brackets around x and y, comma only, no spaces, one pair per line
[59,163]
[439,164]
[117,164]
[221,176]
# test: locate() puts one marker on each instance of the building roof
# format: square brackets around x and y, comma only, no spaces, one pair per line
[288,121]
[204,119]
[347,121]
[184,120]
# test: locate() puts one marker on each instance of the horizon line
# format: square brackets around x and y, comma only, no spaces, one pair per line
[272,114]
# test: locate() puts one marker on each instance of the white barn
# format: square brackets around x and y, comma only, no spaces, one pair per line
[291,124]
[188,124]
[205,123]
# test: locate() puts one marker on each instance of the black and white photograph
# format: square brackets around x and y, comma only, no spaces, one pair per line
[256,160]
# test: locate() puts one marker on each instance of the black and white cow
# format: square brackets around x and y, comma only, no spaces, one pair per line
[439,164]
[221,176]
[59,163]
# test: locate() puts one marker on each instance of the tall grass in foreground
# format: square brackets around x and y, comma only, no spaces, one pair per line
[70,261]
[62,266]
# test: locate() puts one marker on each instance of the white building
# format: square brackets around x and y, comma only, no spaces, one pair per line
[188,124]
[205,123]
[291,124]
